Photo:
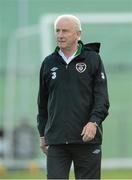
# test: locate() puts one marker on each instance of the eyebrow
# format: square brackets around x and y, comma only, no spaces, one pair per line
[64,30]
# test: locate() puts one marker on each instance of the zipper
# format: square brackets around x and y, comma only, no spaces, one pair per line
[66,66]
[65,122]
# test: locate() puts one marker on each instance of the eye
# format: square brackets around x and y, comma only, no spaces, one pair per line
[65,30]
[57,30]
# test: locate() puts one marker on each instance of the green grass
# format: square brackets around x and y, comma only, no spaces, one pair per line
[117,174]
[40,174]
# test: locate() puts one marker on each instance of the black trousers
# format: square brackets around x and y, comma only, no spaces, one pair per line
[86,161]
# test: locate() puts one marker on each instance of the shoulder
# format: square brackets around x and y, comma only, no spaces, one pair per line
[49,59]
[48,62]
[91,51]
[91,56]
[92,59]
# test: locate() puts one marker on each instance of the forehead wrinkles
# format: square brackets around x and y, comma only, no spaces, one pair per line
[66,23]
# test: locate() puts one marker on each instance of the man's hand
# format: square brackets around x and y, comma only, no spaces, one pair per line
[89,131]
[43,145]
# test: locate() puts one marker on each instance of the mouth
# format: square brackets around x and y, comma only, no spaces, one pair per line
[61,41]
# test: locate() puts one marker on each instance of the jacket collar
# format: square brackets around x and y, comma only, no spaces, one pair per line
[78,50]
[95,46]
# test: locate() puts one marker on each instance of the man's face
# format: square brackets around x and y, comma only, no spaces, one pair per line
[66,34]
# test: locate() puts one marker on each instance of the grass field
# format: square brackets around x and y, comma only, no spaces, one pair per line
[40,174]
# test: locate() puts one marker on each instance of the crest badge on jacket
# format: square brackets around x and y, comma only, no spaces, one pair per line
[81,67]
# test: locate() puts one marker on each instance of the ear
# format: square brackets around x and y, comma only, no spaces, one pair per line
[79,35]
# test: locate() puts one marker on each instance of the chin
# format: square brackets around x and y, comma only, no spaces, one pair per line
[62,47]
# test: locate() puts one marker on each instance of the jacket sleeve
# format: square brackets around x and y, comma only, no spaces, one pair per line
[100,95]
[42,103]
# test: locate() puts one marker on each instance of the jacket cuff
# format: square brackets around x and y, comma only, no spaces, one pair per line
[41,125]
[41,133]
[94,118]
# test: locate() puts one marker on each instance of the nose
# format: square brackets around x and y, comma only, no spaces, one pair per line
[59,34]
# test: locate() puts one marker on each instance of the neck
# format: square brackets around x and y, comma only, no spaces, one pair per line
[69,51]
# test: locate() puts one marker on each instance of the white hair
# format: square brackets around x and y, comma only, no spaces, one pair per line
[70,17]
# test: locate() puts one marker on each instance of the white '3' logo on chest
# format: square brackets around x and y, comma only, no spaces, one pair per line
[53,72]
[53,75]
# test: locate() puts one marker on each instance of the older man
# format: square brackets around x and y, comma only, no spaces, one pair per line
[72,104]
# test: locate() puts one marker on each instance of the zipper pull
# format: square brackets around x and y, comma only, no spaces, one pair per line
[66,66]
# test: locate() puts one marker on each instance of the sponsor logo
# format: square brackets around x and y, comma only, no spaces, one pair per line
[102,75]
[81,67]
[54,68]
[53,72]
[96,151]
